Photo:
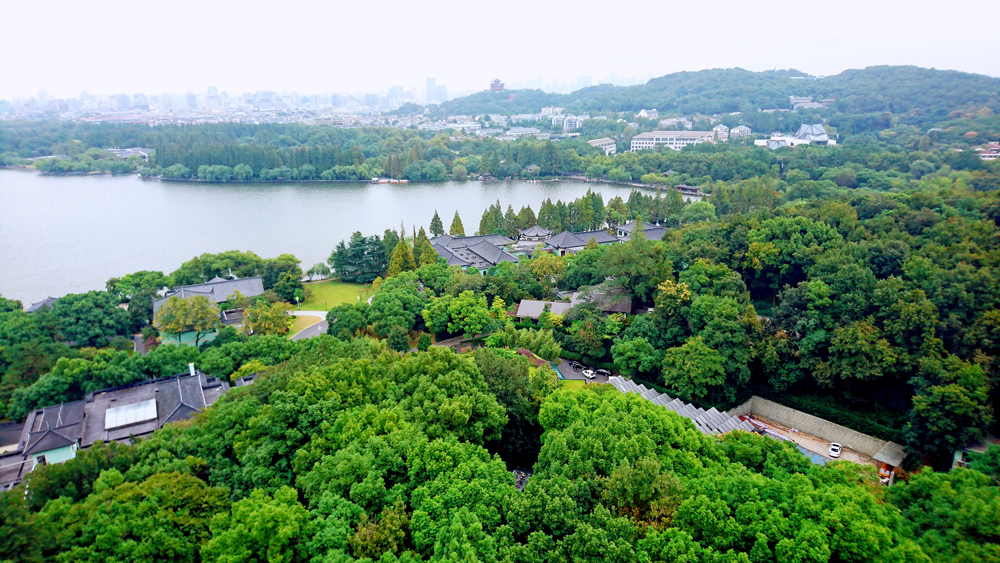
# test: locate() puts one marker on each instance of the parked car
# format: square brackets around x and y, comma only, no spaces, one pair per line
[834,450]
[603,372]
[588,373]
[576,366]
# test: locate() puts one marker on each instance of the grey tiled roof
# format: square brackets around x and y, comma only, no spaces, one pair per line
[82,422]
[891,453]
[216,290]
[531,308]
[48,440]
[450,256]
[480,252]
[535,231]
[47,302]
[451,242]
[708,422]
[570,241]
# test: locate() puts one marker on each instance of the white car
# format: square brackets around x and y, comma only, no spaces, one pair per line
[588,373]
[834,450]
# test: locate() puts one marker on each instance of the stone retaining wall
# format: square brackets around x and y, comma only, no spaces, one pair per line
[810,424]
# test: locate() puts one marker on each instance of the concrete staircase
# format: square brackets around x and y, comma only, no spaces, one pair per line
[708,422]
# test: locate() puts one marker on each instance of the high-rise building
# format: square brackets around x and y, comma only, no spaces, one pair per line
[431,89]
[442,94]
[192,101]
[122,102]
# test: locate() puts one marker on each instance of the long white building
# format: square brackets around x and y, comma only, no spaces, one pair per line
[672,139]
[606,144]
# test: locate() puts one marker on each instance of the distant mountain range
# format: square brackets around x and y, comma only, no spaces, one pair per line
[928,95]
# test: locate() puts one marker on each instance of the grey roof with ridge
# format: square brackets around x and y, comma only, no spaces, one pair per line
[568,241]
[451,242]
[480,251]
[707,422]
[82,422]
[47,302]
[217,290]
[535,231]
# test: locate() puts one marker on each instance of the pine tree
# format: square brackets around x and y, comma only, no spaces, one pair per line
[402,259]
[389,240]
[495,164]
[526,218]
[419,247]
[456,230]
[510,222]
[427,253]
[437,228]
[675,202]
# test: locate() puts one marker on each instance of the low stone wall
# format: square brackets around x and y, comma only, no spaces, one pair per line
[744,409]
[810,424]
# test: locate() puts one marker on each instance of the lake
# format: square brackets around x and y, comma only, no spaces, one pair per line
[70,234]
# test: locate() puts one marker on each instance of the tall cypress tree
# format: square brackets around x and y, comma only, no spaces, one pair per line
[402,259]
[437,227]
[418,246]
[456,230]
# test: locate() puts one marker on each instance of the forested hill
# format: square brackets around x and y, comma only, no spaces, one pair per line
[931,93]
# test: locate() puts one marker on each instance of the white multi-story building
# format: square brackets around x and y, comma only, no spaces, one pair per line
[467,126]
[551,111]
[740,131]
[672,139]
[574,122]
[521,131]
[672,121]
[721,132]
[607,144]
[649,113]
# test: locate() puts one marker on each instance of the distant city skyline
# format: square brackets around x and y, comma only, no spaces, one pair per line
[552,84]
[353,47]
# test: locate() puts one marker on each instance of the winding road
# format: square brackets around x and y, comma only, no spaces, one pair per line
[314,330]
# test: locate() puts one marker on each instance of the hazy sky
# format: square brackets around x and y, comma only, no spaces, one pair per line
[114,46]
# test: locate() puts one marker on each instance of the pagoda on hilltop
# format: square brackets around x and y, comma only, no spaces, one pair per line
[496,86]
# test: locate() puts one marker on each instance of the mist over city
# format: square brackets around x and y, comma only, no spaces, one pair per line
[499,283]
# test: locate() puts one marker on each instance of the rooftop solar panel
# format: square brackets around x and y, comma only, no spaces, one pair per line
[130,414]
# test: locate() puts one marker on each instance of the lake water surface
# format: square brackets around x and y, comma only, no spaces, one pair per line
[62,235]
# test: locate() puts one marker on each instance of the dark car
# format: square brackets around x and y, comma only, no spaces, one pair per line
[603,372]
[576,366]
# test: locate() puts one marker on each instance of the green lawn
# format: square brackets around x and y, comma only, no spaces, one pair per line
[328,294]
[573,383]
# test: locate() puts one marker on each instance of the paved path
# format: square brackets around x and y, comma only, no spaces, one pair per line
[139,344]
[313,330]
[570,373]
[451,342]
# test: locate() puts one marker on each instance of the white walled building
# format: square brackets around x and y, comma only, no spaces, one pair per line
[721,132]
[740,131]
[675,140]
[606,144]
[574,122]
[672,121]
